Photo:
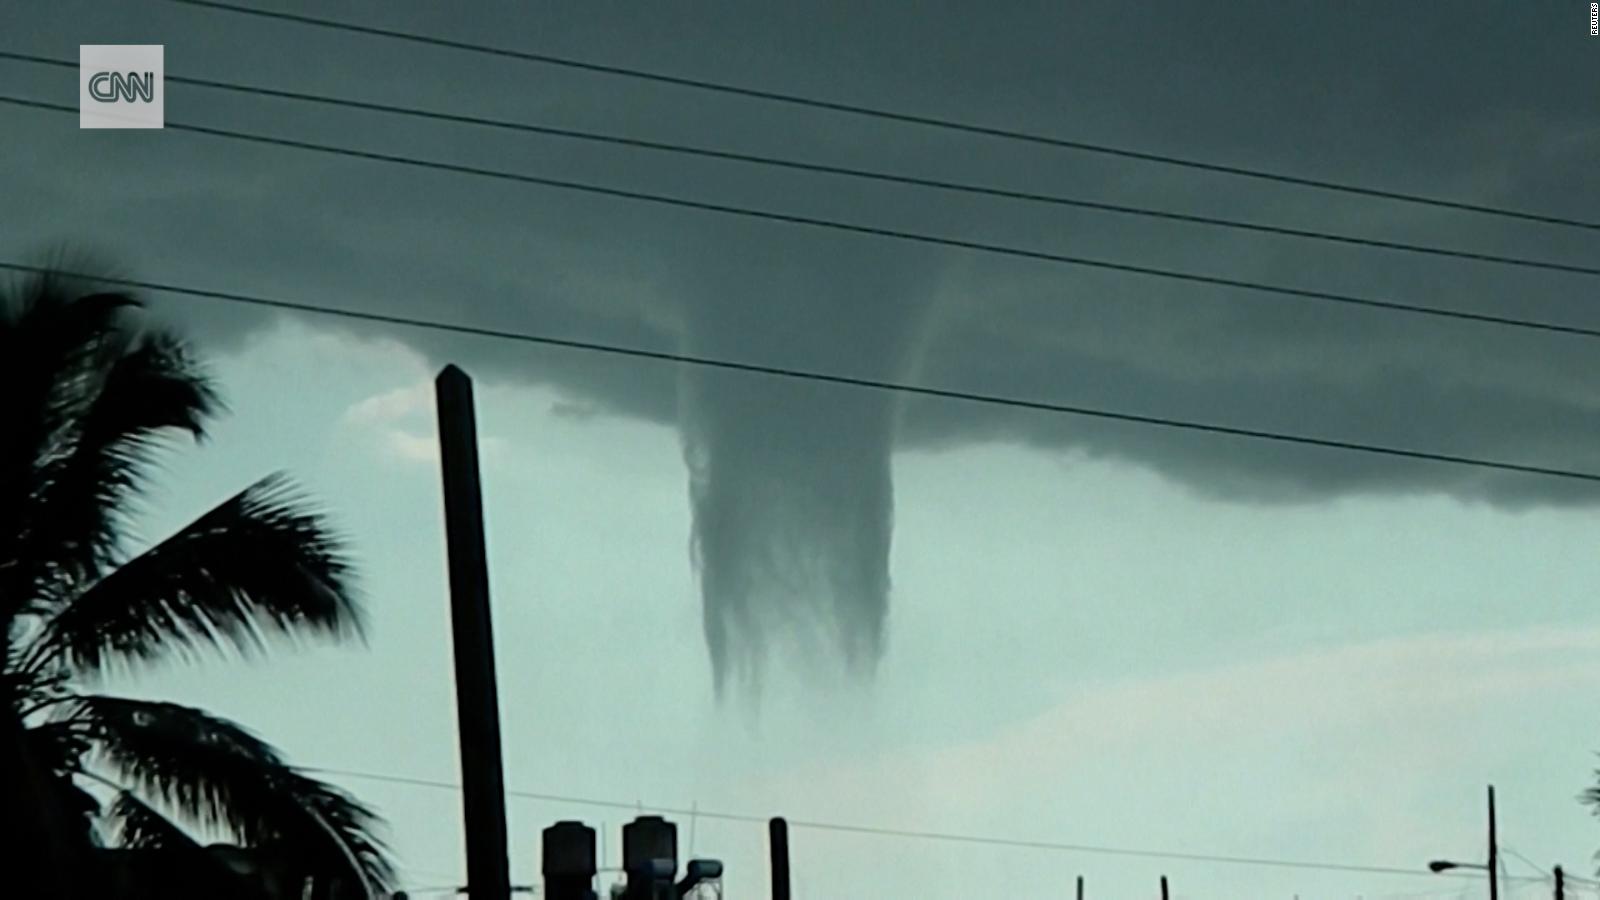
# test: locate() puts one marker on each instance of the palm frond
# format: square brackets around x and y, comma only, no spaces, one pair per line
[52,331]
[218,775]
[355,853]
[1591,795]
[189,760]
[186,868]
[55,751]
[140,827]
[147,385]
[258,566]
[57,746]
[86,396]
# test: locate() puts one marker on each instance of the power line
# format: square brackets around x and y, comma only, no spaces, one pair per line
[892,115]
[1543,875]
[948,837]
[855,228]
[825,377]
[846,171]
[1579,879]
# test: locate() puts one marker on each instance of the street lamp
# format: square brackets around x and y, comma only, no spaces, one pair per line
[1445,865]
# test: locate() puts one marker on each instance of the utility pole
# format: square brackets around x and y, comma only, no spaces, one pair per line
[1561,884]
[778,836]
[1080,887]
[1490,868]
[483,796]
[1494,853]
[1164,894]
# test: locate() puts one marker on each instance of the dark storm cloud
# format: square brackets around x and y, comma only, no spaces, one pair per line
[790,482]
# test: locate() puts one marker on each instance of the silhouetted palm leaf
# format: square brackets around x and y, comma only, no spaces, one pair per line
[50,340]
[147,386]
[213,772]
[350,822]
[256,566]
[85,397]
[140,827]
[187,759]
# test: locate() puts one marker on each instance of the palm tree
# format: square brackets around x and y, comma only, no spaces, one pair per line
[87,396]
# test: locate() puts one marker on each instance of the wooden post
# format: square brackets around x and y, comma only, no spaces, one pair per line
[1494,852]
[1164,895]
[477,702]
[778,836]
[1080,887]
[1561,884]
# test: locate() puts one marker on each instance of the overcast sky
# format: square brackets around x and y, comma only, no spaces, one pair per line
[965,619]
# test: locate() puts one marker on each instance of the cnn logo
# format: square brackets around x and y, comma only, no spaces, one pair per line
[120,86]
